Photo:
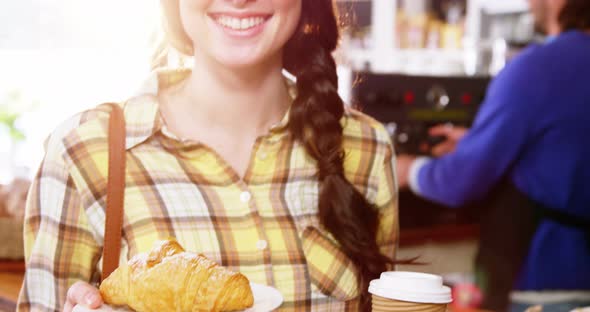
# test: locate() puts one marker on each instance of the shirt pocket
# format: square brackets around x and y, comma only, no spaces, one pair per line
[330,270]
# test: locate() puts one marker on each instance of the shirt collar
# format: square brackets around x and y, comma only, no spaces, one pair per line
[142,113]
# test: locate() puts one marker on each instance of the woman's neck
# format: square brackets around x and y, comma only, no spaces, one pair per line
[238,99]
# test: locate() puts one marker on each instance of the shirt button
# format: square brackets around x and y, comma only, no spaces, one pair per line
[274,139]
[245,197]
[261,244]
[262,155]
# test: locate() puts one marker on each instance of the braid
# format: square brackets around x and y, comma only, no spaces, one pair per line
[315,121]
[318,110]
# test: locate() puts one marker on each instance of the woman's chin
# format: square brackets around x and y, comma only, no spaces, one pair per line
[240,60]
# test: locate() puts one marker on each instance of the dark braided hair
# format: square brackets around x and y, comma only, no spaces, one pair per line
[315,122]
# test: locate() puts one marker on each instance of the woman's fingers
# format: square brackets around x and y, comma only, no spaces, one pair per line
[68,307]
[84,294]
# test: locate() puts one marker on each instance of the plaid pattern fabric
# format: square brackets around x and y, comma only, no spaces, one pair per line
[264,225]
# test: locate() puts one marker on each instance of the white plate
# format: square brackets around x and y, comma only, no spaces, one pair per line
[266,299]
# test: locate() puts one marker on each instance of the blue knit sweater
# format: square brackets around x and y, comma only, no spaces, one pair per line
[534,127]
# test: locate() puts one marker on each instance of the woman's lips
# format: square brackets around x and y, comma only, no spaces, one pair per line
[241,25]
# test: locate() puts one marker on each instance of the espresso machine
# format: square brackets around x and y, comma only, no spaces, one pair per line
[419,63]
[408,105]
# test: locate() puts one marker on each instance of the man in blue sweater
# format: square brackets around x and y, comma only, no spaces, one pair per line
[532,133]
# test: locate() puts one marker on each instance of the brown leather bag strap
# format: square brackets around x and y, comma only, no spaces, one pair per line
[115,192]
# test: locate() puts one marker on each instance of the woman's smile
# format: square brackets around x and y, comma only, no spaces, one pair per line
[240,25]
[240,34]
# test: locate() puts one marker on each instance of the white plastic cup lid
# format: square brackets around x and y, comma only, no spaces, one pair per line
[412,287]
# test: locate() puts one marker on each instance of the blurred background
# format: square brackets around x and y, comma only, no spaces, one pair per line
[411,64]
[60,57]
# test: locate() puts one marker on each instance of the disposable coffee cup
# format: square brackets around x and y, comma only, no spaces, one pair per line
[409,291]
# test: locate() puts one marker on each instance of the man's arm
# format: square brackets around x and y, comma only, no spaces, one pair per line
[493,144]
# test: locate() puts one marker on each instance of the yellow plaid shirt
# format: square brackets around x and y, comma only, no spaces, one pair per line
[264,225]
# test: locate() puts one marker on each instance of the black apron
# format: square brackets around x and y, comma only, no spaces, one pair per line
[508,225]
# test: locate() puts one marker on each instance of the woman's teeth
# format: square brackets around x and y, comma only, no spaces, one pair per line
[240,23]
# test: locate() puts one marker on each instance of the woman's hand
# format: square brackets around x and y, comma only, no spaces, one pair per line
[84,294]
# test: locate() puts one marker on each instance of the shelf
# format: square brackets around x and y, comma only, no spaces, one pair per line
[427,62]
[377,51]
[505,7]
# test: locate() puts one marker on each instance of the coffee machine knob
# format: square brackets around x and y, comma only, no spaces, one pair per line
[438,97]
[403,137]
[391,128]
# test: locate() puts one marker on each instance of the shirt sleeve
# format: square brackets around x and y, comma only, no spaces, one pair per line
[491,147]
[415,168]
[386,202]
[60,248]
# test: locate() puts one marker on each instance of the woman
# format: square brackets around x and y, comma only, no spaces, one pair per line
[268,177]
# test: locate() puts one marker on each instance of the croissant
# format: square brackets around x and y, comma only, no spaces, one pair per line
[170,279]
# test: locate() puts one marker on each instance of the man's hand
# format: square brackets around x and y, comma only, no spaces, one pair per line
[84,294]
[403,163]
[452,136]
